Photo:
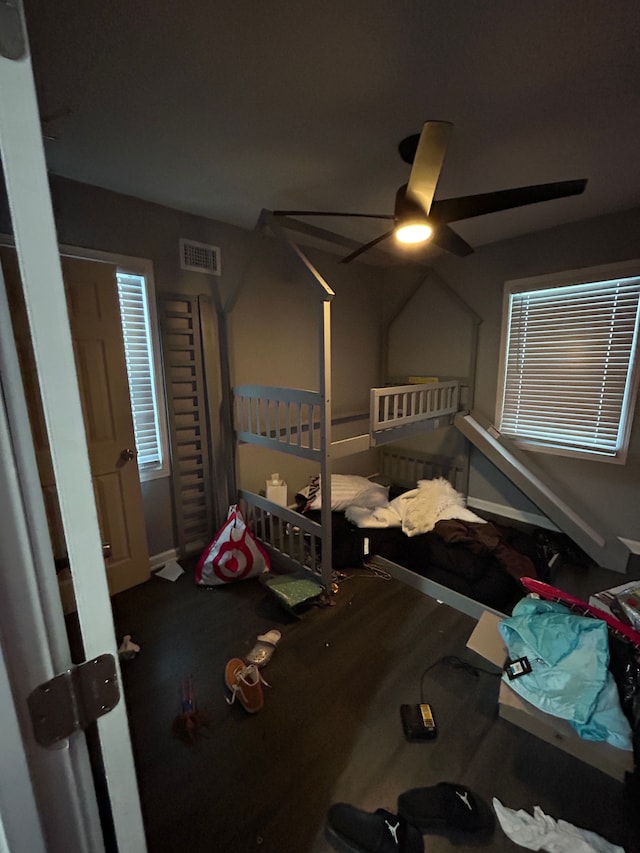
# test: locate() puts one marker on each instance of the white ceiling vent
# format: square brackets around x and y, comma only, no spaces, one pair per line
[199,257]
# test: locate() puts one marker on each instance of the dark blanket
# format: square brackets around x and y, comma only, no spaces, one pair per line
[470,568]
[477,560]
[348,546]
[486,540]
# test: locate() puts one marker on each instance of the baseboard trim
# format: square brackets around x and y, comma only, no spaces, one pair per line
[510,512]
[532,518]
[65,583]
[632,544]
[157,561]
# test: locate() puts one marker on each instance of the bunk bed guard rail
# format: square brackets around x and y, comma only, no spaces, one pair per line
[400,406]
[283,419]
[289,419]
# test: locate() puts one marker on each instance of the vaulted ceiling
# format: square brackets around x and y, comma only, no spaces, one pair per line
[225,107]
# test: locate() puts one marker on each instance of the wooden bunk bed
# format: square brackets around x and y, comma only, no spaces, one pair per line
[291,421]
[300,422]
[469,575]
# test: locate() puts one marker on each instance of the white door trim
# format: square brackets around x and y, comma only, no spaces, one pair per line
[34,640]
[35,236]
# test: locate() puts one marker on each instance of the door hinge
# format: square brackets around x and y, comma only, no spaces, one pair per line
[72,700]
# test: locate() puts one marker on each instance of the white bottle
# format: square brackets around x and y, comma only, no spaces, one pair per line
[277,490]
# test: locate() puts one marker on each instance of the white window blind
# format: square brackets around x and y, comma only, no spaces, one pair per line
[136,331]
[569,364]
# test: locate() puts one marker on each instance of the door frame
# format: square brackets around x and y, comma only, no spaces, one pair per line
[37,647]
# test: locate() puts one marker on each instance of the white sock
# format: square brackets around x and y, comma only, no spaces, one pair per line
[541,831]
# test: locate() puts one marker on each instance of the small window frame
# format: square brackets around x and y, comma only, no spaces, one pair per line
[603,273]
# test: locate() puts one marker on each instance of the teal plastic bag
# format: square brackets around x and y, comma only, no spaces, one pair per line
[569,678]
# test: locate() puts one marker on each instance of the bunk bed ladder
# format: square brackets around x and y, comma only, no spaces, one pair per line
[187,402]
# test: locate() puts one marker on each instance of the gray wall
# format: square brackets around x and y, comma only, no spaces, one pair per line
[275,340]
[609,492]
[432,335]
[90,217]
[274,330]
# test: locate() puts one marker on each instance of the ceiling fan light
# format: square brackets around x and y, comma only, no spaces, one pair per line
[413,232]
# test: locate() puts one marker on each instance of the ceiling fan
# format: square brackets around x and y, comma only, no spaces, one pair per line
[417,217]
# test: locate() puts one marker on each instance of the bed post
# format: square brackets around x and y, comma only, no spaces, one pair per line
[325,294]
[325,442]
[224,308]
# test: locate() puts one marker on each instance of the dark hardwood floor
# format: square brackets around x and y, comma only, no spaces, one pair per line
[330,729]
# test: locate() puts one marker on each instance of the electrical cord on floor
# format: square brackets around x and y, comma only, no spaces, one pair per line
[376,572]
[372,564]
[457,663]
[370,572]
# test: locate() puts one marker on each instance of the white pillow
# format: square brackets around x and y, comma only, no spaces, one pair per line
[351,490]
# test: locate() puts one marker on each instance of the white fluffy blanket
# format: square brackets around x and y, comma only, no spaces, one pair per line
[416,511]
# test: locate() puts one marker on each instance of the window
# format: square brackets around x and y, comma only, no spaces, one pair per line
[141,371]
[569,364]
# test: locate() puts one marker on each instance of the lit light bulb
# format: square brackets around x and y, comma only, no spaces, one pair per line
[413,232]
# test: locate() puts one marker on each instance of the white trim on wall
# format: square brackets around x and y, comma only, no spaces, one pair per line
[532,518]
[514,514]
[157,561]
[632,544]
[65,581]
[32,621]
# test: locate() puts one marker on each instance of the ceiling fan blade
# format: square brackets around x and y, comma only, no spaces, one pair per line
[447,239]
[332,213]
[466,207]
[359,251]
[427,163]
